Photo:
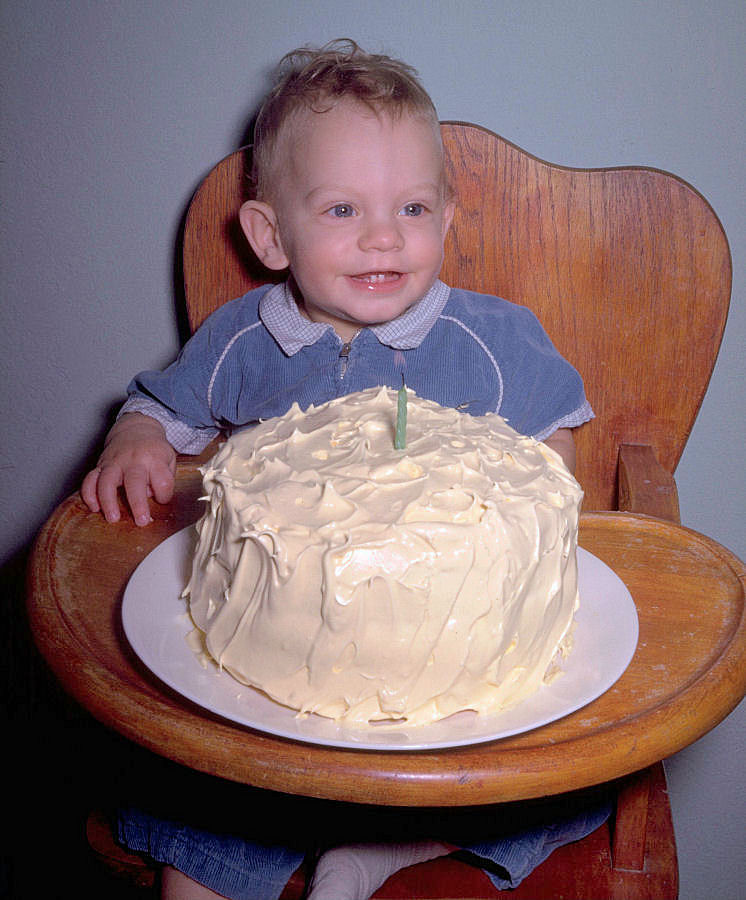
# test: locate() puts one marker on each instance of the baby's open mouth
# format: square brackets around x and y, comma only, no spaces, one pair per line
[377,277]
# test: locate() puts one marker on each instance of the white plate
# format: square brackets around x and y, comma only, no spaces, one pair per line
[156,624]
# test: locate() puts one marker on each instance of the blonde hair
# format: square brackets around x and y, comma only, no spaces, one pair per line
[317,79]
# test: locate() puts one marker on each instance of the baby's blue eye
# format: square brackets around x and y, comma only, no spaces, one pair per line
[413,209]
[342,211]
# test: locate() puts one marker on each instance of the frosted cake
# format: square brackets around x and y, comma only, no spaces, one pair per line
[347,578]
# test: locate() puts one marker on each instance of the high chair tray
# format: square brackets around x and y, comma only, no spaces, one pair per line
[687,673]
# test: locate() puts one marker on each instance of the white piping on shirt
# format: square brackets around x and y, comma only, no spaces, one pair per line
[219,363]
[487,352]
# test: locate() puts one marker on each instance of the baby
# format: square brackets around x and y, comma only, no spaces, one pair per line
[350,197]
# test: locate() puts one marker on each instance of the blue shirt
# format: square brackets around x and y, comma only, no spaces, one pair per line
[257,355]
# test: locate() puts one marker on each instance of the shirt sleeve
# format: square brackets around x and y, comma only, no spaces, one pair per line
[542,390]
[583,413]
[182,437]
[179,397]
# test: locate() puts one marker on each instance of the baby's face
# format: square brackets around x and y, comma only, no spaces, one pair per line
[361,214]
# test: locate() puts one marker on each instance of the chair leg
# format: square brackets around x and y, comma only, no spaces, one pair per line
[644,860]
[630,823]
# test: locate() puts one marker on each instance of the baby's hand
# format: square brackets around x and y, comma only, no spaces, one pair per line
[138,457]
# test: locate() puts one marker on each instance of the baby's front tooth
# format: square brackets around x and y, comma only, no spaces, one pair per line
[375,277]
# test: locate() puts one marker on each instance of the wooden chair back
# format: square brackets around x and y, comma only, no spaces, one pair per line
[628,269]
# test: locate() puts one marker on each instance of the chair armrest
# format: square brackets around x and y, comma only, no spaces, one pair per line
[644,486]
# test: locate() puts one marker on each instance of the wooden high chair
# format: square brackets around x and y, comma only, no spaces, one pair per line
[629,271]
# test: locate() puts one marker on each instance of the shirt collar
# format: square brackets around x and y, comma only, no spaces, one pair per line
[293,331]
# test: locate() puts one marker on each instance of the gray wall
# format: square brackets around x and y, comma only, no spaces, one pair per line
[112,112]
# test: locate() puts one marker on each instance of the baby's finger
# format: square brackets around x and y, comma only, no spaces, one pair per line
[162,483]
[109,479]
[88,491]
[136,485]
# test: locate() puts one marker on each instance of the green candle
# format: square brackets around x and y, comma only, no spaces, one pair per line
[400,439]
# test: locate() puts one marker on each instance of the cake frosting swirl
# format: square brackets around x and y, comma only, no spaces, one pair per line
[344,577]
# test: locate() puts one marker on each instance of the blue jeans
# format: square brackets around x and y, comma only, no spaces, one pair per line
[244,869]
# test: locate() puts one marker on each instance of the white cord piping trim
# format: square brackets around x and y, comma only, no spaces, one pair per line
[220,361]
[487,353]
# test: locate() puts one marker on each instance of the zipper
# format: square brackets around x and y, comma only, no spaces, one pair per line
[344,354]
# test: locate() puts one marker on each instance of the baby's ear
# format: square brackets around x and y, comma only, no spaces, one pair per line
[259,224]
[449,209]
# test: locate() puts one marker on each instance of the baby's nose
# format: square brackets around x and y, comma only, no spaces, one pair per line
[381,233]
